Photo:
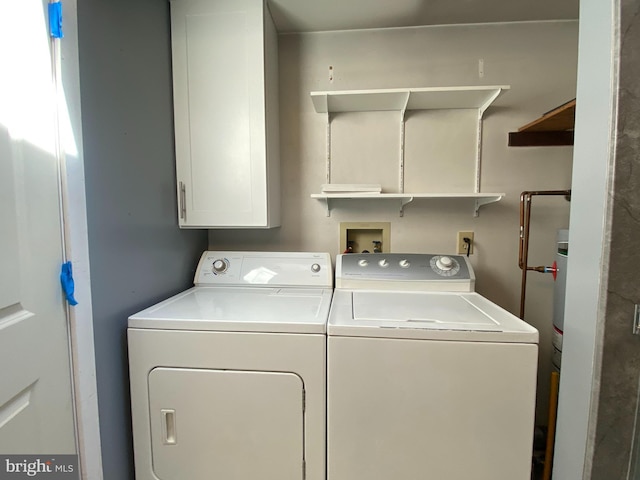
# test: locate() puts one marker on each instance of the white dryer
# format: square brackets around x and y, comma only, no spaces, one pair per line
[228,378]
[425,378]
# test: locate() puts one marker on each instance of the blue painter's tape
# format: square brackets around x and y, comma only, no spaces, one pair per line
[68,286]
[55,19]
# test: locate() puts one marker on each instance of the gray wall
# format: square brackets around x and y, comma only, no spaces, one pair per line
[137,253]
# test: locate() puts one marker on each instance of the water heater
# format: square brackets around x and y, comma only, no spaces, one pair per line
[562,253]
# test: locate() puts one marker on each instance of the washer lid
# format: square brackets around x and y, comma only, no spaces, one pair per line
[243,309]
[425,315]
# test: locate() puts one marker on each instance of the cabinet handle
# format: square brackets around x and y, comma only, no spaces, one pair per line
[183,201]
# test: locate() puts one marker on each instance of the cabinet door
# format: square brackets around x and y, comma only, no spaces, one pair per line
[219,109]
[226,424]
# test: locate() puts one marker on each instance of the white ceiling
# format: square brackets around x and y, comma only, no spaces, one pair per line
[324,15]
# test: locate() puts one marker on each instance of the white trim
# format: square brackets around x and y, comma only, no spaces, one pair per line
[81,317]
[587,266]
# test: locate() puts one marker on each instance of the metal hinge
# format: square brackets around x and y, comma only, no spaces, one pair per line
[636,320]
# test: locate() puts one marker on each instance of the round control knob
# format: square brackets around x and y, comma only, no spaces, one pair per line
[384,263]
[445,263]
[363,262]
[220,266]
[404,263]
[315,268]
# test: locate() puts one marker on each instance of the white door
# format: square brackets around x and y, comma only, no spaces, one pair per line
[36,409]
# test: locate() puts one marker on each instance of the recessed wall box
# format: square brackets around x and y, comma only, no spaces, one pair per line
[365,235]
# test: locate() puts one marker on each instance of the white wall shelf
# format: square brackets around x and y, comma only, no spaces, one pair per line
[400,99]
[479,199]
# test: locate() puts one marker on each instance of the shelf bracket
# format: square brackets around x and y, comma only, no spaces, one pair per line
[478,167]
[479,202]
[328,147]
[404,201]
[327,205]
[402,144]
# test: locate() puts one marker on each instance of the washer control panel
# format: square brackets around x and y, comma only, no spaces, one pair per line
[291,269]
[396,270]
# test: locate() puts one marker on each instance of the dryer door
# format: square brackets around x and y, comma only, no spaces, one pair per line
[226,424]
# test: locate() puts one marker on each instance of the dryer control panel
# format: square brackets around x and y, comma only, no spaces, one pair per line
[284,269]
[405,271]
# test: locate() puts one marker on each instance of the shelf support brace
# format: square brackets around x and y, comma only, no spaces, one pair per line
[479,202]
[404,201]
[481,111]
[327,206]
[328,148]
[402,141]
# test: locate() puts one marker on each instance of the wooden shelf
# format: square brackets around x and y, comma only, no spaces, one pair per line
[399,99]
[554,128]
[479,199]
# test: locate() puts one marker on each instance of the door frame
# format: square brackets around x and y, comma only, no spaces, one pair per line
[589,237]
[81,338]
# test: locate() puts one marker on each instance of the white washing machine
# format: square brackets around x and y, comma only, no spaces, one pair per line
[228,378]
[426,379]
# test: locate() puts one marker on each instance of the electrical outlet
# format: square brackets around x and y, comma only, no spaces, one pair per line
[462,245]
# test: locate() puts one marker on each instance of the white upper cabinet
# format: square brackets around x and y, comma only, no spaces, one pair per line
[225,93]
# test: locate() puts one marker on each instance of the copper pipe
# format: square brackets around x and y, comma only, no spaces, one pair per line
[523,250]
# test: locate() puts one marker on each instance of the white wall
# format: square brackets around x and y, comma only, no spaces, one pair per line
[589,238]
[538,60]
